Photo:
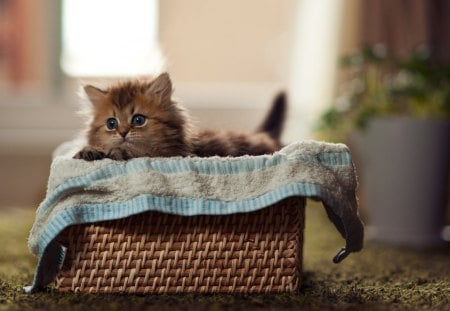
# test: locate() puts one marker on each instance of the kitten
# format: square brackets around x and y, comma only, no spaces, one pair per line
[140,119]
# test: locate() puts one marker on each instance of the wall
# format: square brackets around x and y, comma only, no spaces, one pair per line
[227,41]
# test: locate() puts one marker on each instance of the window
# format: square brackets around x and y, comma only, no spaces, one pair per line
[110,38]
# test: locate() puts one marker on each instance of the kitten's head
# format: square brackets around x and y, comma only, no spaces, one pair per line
[140,116]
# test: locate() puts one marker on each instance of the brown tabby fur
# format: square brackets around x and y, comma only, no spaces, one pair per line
[168,131]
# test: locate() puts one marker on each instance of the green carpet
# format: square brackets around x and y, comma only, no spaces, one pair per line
[379,277]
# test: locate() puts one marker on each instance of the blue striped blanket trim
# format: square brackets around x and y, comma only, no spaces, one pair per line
[185,165]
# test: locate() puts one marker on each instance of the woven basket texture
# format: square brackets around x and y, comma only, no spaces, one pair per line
[154,252]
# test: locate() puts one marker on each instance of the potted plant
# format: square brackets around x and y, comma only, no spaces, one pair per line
[395,116]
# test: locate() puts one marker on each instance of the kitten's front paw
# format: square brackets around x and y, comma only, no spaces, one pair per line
[119,154]
[90,154]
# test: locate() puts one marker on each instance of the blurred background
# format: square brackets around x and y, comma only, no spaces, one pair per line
[227,60]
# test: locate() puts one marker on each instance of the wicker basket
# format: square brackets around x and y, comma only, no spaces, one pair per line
[160,253]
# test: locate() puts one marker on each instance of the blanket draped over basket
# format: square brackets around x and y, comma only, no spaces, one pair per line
[86,192]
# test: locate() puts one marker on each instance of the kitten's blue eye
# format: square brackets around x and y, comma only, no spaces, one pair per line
[111,124]
[138,120]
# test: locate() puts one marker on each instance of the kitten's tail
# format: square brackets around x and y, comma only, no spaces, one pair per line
[274,121]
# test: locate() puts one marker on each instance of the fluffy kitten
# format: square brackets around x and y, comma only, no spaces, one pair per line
[139,119]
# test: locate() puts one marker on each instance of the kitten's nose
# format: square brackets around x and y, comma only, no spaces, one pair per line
[123,133]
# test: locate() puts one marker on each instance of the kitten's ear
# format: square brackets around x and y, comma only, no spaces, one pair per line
[161,87]
[94,94]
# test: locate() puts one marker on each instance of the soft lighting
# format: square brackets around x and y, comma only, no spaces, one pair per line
[110,37]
